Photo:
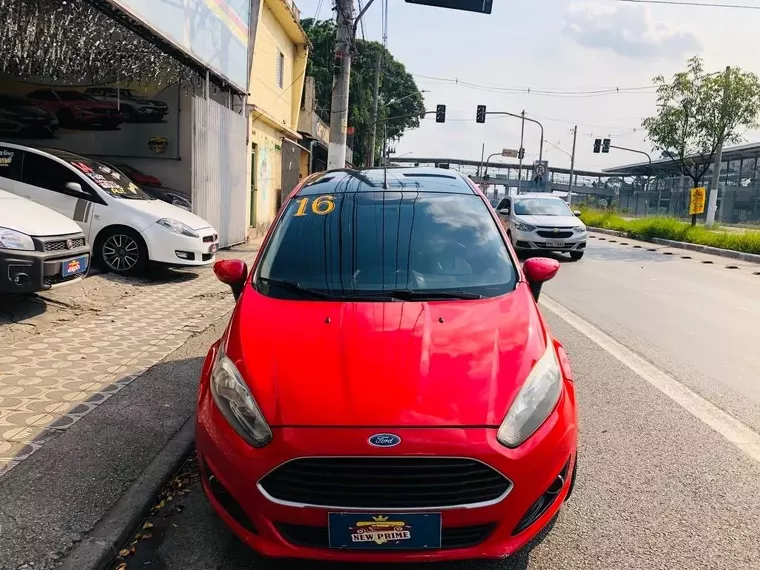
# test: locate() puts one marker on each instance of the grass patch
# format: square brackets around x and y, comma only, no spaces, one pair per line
[670,228]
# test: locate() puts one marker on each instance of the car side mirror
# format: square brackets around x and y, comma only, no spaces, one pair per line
[577,213]
[74,187]
[232,272]
[504,211]
[539,270]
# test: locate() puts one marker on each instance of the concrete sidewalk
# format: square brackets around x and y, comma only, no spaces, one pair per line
[68,449]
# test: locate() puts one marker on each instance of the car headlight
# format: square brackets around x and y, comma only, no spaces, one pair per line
[535,401]
[11,239]
[579,229]
[524,227]
[234,400]
[178,227]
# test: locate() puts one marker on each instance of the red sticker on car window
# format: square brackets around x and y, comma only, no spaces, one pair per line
[81,166]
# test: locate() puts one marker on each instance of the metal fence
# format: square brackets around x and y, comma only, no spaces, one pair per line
[219,169]
[735,206]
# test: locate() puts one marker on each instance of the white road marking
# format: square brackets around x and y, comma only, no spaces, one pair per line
[733,430]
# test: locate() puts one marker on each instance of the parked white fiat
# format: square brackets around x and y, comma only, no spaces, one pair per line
[126,227]
[39,249]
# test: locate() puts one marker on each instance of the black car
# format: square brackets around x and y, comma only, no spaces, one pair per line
[22,117]
[174,197]
[168,195]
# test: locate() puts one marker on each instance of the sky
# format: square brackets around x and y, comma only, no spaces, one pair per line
[547,57]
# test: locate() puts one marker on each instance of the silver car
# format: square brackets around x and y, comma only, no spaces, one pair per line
[543,223]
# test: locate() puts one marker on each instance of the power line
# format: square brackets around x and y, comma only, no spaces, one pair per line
[688,3]
[319,9]
[647,89]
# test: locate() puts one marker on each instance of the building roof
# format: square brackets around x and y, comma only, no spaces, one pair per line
[665,165]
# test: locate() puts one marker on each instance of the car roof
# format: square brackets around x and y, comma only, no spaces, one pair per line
[64,154]
[538,195]
[434,180]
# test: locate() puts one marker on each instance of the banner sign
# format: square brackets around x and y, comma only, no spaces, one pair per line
[214,32]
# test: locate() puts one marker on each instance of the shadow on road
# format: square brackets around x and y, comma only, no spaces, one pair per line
[15,309]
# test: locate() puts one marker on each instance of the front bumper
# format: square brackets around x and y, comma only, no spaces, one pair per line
[32,271]
[232,470]
[167,247]
[534,241]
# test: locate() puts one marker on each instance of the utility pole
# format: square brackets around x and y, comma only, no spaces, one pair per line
[482,156]
[712,201]
[373,135]
[336,157]
[522,153]
[572,167]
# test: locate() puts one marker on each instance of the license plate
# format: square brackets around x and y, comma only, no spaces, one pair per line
[74,266]
[555,244]
[213,248]
[389,531]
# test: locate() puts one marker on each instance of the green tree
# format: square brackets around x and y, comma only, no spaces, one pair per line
[401,102]
[697,111]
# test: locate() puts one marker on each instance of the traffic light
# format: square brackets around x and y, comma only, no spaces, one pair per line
[597,146]
[521,154]
[606,145]
[482,6]
[480,116]
[440,114]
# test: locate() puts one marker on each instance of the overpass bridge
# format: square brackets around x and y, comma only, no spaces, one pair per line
[502,174]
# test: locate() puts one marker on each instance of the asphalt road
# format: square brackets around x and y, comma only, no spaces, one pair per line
[660,486]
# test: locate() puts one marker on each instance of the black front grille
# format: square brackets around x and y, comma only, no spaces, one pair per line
[61,245]
[207,256]
[550,234]
[50,280]
[385,482]
[318,537]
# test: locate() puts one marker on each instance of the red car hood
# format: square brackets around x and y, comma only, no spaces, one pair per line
[386,364]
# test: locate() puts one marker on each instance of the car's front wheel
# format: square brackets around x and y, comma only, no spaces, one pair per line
[122,250]
[576,255]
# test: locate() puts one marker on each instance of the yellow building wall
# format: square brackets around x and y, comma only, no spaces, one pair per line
[268,169]
[274,106]
[271,39]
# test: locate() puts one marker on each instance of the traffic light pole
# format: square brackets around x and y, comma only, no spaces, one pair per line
[572,168]
[489,160]
[523,118]
[522,154]
[649,158]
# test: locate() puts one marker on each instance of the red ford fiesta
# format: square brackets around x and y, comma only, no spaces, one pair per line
[387,389]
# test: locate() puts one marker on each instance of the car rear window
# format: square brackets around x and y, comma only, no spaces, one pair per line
[369,240]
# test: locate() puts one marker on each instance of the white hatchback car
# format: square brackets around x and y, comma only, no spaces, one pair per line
[126,227]
[542,223]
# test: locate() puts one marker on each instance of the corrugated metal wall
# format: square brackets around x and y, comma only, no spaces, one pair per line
[219,169]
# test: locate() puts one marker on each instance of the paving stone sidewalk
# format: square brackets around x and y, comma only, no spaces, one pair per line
[51,380]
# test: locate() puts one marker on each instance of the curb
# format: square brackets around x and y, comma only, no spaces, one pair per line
[740,255]
[111,532]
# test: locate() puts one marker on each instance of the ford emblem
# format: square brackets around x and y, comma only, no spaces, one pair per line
[384,440]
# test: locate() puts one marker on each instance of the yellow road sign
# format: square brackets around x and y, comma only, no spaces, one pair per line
[697,202]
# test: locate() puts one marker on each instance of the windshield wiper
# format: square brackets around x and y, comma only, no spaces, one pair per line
[314,294]
[422,295]
[296,287]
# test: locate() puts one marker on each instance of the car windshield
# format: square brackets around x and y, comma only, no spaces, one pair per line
[542,207]
[398,244]
[109,179]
